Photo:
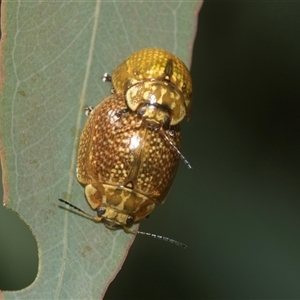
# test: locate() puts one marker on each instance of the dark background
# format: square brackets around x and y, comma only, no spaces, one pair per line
[238,209]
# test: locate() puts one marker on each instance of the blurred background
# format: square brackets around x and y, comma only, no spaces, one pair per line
[238,210]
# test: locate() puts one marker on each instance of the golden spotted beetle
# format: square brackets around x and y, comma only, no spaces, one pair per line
[129,147]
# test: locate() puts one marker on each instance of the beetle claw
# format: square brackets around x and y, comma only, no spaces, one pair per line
[106,77]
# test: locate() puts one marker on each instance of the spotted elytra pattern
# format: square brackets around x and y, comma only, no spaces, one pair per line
[129,148]
[155,77]
[126,167]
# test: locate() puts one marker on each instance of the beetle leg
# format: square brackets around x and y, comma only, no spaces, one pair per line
[106,77]
[121,112]
[88,110]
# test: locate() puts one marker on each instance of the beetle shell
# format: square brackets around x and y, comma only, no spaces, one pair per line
[152,78]
[127,168]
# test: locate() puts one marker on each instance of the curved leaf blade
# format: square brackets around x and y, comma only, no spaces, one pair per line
[54,54]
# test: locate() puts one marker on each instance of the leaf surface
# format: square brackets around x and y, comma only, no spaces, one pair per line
[53,57]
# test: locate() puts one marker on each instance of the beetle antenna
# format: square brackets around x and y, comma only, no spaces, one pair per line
[164,238]
[160,237]
[97,219]
[178,151]
[80,210]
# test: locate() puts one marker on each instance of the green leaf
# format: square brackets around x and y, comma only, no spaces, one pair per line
[54,54]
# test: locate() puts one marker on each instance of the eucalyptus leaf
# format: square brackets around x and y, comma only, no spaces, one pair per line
[53,55]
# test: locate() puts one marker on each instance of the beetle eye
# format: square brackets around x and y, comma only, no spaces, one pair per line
[141,111]
[101,211]
[129,221]
[166,122]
